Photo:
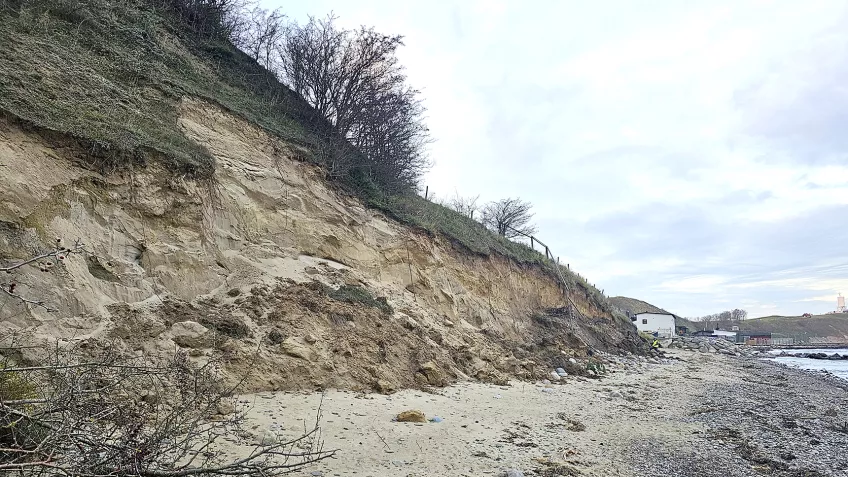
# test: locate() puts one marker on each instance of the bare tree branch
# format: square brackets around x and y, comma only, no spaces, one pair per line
[120,416]
[509,217]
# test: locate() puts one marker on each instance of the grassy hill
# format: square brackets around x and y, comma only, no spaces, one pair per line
[633,305]
[799,326]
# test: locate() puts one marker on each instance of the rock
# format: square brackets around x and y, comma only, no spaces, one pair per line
[554,376]
[148,396]
[615,395]
[190,334]
[432,374]
[449,323]
[411,416]
[225,408]
[311,339]
[703,348]
[572,360]
[275,337]
[561,371]
[512,473]
[297,348]
[267,438]
[384,387]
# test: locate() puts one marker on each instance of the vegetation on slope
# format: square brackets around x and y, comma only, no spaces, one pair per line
[799,326]
[633,305]
[111,75]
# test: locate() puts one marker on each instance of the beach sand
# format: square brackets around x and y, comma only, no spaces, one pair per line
[704,414]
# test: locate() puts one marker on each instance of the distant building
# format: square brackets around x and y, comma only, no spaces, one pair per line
[728,335]
[661,323]
[754,338]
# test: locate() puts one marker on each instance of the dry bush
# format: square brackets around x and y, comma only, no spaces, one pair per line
[112,415]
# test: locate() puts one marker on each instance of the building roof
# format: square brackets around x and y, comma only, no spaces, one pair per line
[657,313]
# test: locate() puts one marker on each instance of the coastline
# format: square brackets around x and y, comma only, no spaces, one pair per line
[698,414]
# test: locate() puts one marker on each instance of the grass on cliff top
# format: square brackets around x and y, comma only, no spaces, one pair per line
[112,74]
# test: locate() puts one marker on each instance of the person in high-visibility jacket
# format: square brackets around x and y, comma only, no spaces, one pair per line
[655,344]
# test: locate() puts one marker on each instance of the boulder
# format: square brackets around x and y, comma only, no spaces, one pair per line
[225,407]
[190,334]
[412,416]
[432,374]
[297,348]
[384,387]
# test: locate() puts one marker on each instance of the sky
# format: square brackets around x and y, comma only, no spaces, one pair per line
[689,154]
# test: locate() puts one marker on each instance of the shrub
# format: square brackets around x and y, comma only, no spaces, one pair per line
[357,294]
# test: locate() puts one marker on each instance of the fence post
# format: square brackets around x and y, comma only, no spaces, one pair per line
[426,192]
[531,242]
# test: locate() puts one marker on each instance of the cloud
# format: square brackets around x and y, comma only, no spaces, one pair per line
[691,154]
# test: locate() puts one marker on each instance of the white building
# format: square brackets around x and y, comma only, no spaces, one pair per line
[661,323]
[728,335]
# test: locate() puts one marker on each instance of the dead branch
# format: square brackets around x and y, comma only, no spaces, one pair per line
[117,416]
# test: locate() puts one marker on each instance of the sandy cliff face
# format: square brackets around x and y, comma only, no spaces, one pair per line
[270,267]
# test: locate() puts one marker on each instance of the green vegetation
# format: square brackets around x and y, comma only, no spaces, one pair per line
[633,305]
[799,327]
[111,76]
[14,386]
[357,294]
[596,367]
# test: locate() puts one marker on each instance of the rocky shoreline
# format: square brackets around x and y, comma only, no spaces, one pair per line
[767,419]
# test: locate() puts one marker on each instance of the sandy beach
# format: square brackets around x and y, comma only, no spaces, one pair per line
[693,415]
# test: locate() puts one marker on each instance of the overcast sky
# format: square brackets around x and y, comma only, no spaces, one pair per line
[690,154]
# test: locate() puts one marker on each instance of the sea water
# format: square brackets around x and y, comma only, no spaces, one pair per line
[836,367]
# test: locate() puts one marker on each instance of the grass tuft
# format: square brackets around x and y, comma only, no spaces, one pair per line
[357,294]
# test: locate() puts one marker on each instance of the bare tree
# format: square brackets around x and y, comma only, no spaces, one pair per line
[738,315]
[210,18]
[723,319]
[353,79]
[262,35]
[509,217]
[466,206]
[339,72]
